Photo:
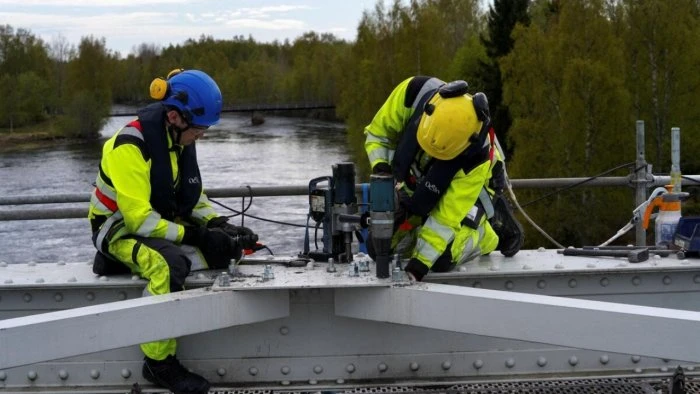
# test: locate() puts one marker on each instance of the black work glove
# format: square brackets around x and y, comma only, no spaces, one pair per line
[402,211]
[245,236]
[217,247]
[417,269]
[382,168]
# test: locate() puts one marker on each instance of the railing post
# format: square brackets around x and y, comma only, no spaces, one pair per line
[640,183]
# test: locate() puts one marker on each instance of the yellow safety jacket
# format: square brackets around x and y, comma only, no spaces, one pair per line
[146,185]
[441,223]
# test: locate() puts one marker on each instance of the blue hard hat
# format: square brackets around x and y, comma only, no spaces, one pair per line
[197,97]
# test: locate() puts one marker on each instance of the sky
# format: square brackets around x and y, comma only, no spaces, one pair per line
[126,24]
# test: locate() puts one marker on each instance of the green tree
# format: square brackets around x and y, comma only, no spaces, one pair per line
[503,15]
[89,96]
[662,60]
[564,83]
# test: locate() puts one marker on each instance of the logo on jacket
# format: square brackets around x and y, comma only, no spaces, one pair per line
[432,187]
[193,180]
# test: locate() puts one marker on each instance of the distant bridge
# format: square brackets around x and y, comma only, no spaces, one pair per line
[256,108]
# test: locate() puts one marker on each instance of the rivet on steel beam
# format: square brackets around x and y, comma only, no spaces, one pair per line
[58,297]
[122,295]
[3,264]
[32,375]
[382,367]
[252,371]
[31,263]
[72,279]
[667,280]
[541,284]
[350,368]
[136,277]
[313,381]
[340,381]
[591,265]
[541,361]
[61,263]
[27,297]
[510,363]
[636,359]
[604,282]
[696,279]
[104,278]
[478,364]
[604,359]
[221,371]
[509,285]
[636,281]
[663,369]
[559,266]
[573,360]
[285,383]
[414,366]
[284,330]
[318,369]
[476,285]
[285,370]
[446,365]
[95,374]
[3,376]
[39,280]
[690,368]
[526,267]
[573,283]
[90,296]
[637,370]
[62,374]
[126,373]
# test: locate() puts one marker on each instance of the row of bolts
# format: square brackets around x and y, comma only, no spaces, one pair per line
[354,271]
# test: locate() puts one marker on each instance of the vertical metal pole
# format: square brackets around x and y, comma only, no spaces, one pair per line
[676,159]
[640,180]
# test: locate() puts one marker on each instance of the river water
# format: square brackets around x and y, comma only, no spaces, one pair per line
[282,151]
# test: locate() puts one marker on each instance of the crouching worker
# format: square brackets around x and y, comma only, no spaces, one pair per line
[148,212]
[437,142]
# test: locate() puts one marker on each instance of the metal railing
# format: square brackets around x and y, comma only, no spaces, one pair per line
[39,213]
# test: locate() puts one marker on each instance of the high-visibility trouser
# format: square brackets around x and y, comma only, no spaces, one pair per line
[468,244]
[165,265]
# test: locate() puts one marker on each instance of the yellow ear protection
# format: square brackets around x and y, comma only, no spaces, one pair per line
[159,86]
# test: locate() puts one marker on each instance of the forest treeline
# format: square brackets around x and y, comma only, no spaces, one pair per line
[566,81]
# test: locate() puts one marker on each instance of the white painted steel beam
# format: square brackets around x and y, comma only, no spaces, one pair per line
[592,325]
[72,332]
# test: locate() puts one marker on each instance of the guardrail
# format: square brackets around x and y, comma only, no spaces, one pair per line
[275,191]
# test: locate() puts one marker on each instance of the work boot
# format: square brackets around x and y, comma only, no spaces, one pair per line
[510,233]
[170,374]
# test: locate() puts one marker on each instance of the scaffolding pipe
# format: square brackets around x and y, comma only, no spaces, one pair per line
[276,191]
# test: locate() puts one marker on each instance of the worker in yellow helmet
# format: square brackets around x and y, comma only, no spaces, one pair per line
[149,214]
[438,143]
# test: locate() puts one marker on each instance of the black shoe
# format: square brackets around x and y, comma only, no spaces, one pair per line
[170,374]
[510,233]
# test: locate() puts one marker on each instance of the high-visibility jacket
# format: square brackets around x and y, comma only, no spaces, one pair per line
[441,220]
[146,185]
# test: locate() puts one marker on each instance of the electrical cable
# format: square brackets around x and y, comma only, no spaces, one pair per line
[579,183]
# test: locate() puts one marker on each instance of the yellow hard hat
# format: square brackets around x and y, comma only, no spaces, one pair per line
[447,125]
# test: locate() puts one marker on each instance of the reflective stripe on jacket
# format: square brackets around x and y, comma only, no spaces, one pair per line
[123,200]
[444,219]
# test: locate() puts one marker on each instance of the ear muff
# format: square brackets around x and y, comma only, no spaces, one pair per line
[159,86]
[453,89]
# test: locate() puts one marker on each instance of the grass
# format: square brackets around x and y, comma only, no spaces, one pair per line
[29,136]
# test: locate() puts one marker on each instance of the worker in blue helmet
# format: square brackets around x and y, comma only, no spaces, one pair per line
[149,214]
